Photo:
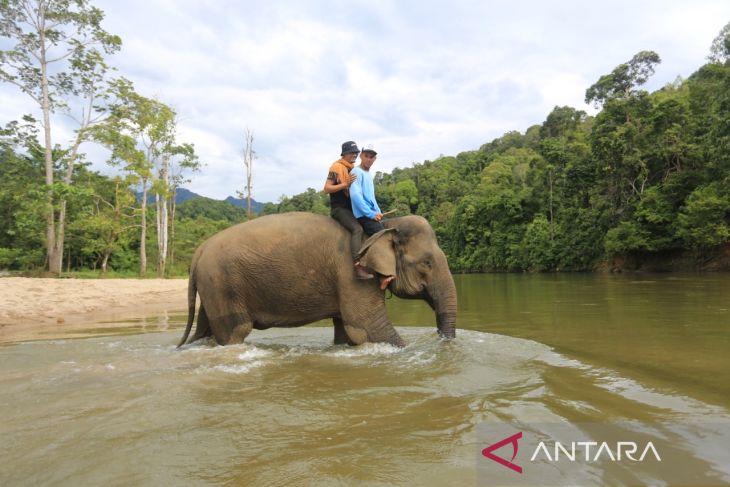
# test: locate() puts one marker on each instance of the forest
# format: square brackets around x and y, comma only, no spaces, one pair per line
[645,183]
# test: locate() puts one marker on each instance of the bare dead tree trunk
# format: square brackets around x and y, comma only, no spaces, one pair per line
[143,232]
[248,157]
[162,223]
[173,206]
[53,257]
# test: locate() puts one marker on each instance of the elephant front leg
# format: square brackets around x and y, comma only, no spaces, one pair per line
[386,334]
[370,326]
[341,337]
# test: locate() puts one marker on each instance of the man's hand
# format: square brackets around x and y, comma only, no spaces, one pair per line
[378,217]
[351,179]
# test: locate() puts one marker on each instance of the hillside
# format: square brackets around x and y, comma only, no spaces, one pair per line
[182,195]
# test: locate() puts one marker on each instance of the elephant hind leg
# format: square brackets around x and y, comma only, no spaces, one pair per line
[239,333]
[232,328]
[202,329]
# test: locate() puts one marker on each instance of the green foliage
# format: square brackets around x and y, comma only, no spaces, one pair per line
[311,201]
[703,221]
[22,211]
[54,56]
[406,196]
[720,48]
[639,178]
[650,173]
[624,80]
[537,245]
[189,234]
[210,210]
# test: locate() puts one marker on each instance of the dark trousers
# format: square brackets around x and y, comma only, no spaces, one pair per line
[345,217]
[370,226]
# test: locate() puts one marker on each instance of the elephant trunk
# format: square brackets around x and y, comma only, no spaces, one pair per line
[443,297]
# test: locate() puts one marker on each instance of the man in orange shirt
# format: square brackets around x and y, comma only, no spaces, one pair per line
[337,186]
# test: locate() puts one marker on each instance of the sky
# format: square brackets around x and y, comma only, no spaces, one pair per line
[417,79]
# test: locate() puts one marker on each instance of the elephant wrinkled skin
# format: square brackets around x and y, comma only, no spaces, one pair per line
[291,269]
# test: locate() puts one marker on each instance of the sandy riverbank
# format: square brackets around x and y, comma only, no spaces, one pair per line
[33,308]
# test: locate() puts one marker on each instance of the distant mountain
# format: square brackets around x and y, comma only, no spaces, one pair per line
[182,195]
[241,203]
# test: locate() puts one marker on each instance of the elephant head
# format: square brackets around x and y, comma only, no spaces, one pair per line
[408,250]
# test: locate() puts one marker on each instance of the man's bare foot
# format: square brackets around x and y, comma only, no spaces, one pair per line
[384,281]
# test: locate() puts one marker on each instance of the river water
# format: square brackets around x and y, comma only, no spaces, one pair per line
[289,408]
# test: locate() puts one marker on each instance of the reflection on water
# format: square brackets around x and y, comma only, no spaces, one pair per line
[669,330]
[289,408]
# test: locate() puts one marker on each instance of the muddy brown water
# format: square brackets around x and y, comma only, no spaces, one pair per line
[289,408]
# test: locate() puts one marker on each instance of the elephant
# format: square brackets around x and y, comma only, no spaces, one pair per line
[291,269]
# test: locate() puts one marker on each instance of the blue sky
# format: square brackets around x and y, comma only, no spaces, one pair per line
[416,79]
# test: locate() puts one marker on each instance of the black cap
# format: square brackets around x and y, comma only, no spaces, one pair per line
[349,147]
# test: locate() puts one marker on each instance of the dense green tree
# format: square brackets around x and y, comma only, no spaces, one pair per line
[647,176]
[211,210]
[22,209]
[703,221]
[720,48]
[311,200]
[405,196]
[109,222]
[141,132]
[623,82]
[55,61]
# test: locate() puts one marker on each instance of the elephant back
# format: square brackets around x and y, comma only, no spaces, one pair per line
[283,233]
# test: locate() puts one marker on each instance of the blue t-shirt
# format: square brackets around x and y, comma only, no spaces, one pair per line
[362,194]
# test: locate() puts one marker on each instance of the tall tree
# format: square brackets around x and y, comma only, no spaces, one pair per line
[624,80]
[185,160]
[108,218]
[248,156]
[619,137]
[142,134]
[22,194]
[720,48]
[55,59]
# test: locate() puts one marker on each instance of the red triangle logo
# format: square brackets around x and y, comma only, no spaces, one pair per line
[487,452]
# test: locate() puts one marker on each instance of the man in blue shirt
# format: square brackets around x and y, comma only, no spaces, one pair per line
[362,193]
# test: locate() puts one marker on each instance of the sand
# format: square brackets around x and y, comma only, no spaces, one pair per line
[37,308]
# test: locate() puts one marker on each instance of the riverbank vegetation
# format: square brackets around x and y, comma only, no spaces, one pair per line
[645,179]
[643,183]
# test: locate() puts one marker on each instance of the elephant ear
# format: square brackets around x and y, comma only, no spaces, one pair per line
[378,252]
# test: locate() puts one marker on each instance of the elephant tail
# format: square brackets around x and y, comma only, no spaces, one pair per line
[192,291]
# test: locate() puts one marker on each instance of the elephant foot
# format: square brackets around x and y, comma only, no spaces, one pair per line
[239,333]
[357,336]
